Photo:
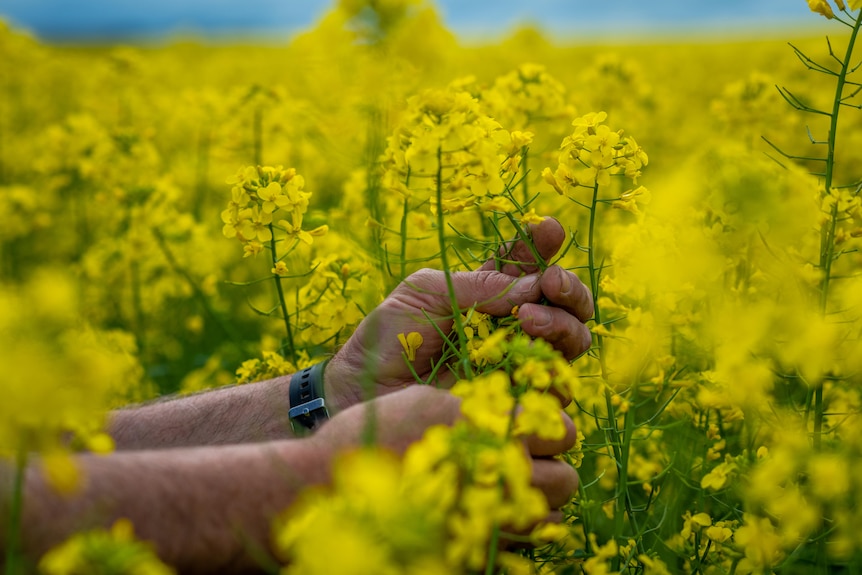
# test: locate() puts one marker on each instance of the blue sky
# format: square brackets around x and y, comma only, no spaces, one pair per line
[115,19]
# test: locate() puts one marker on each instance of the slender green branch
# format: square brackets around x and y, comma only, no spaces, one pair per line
[463,358]
[827,238]
[827,234]
[291,348]
[226,327]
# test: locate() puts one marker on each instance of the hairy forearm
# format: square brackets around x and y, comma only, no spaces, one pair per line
[6,483]
[237,414]
[205,509]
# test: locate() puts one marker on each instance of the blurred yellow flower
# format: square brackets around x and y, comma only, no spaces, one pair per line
[410,342]
[821,7]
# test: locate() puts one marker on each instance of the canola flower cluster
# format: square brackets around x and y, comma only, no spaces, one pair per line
[445,139]
[718,411]
[434,512]
[257,194]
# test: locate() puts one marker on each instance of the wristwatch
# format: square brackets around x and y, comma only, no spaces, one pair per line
[308,408]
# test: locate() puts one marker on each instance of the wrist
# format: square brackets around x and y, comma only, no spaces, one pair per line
[341,384]
[308,406]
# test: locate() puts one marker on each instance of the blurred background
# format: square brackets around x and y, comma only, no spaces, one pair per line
[108,20]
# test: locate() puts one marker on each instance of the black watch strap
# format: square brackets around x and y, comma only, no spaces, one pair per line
[307,406]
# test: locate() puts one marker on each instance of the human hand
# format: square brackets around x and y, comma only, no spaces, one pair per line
[421,304]
[402,417]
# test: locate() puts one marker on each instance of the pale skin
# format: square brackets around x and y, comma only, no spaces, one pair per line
[201,476]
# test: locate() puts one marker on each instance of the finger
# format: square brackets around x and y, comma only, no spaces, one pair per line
[563,397]
[520,538]
[516,256]
[555,516]
[493,292]
[400,417]
[556,326]
[549,447]
[564,289]
[557,480]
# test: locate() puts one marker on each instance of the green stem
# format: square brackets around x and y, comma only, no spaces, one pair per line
[827,233]
[623,501]
[818,415]
[615,443]
[594,279]
[257,131]
[492,551]
[202,298]
[138,307]
[284,313]
[404,231]
[827,238]
[464,359]
[374,146]
[528,241]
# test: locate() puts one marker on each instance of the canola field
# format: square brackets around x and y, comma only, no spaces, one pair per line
[186,216]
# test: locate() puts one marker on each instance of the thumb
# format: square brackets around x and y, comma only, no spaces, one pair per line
[494,292]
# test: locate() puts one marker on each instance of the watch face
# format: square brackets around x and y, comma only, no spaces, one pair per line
[309,414]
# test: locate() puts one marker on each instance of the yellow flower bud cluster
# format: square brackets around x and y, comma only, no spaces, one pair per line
[272,365]
[592,154]
[114,550]
[446,140]
[846,204]
[257,195]
[527,95]
[434,511]
[823,7]
[334,295]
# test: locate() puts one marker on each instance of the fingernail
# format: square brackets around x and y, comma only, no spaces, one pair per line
[566,283]
[528,283]
[541,317]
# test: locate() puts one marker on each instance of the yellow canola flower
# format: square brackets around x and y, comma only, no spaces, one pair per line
[410,342]
[378,517]
[761,544]
[111,552]
[693,523]
[280,269]
[257,194]
[592,153]
[60,379]
[61,472]
[598,563]
[830,477]
[548,533]
[490,350]
[821,7]
[534,373]
[531,217]
[720,532]
[653,565]
[551,179]
[717,478]
[293,229]
[486,401]
[539,416]
[521,139]
[447,139]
